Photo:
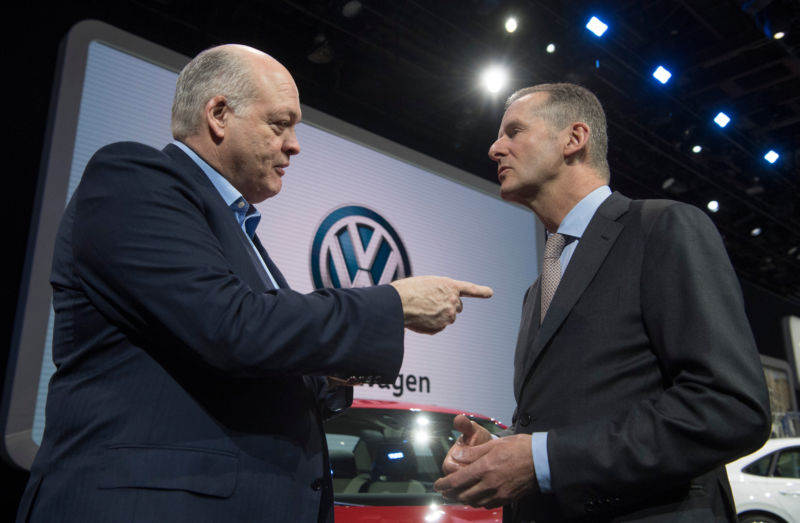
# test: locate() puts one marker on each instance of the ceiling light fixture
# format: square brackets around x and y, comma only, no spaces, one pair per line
[494,79]
[511,24]
[321,51]
[596,26]
[662,75]
[722,119]
[772,156]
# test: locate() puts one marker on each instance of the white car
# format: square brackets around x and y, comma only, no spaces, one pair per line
[766,483]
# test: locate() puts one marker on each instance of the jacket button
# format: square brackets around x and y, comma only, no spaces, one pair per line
[316,484]
[525,420]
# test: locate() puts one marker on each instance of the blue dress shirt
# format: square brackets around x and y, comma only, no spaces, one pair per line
[246,215]
[573,226]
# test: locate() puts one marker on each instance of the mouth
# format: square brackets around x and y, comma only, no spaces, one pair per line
[280,169]
[501,172]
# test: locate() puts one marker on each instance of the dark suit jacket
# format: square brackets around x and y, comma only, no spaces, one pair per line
[644,372]
[187,389]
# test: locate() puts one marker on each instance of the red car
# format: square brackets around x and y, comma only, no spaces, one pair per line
[385,456]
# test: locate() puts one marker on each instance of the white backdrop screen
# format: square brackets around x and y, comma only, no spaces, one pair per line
[407,212]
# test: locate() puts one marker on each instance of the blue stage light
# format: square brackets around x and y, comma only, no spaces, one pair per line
[722,119]
[596,26]
[772,156]
[662,75]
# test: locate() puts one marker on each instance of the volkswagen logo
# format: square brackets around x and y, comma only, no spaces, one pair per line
[355,247]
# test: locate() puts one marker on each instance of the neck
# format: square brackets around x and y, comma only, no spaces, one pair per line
[555,200]
[204,150]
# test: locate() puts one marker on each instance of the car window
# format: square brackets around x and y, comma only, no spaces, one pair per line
[759,467]
[788,464]
[389,456]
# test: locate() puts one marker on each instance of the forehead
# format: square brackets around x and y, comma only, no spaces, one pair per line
[524,109]
[276,88]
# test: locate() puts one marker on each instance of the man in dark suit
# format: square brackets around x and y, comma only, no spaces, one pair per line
[641,379]
[191,382]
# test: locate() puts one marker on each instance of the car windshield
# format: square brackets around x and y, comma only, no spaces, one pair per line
[390,456]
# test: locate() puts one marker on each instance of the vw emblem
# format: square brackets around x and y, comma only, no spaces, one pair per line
[355,247]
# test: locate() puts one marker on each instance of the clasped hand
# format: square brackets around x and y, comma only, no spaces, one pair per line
[485,472]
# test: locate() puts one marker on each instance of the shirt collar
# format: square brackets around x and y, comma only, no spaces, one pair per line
[576,221]
[245,213]
[223,186]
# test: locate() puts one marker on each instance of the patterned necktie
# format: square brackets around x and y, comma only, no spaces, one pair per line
[551,272]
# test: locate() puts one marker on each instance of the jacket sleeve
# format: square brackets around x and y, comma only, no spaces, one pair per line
[149,260]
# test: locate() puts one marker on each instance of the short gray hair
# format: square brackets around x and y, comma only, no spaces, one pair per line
[568,103]
[215,71]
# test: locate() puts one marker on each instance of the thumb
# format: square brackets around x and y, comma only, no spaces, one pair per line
[463,424]
[465,454]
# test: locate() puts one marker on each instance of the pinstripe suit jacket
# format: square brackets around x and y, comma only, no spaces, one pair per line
[187,389]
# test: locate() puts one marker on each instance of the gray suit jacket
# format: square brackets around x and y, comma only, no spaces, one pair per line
[644,372]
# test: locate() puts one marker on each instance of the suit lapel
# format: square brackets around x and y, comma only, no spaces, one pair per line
[528,329]
[273,269]
[592,249]
[235,245]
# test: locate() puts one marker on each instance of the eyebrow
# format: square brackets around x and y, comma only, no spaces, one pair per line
[512,123]
[281,113]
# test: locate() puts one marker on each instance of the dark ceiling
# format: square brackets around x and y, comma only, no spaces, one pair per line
[408,70]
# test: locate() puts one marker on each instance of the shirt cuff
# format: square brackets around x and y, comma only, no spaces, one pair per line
[540,462]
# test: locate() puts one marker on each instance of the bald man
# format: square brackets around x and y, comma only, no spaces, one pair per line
[191,381]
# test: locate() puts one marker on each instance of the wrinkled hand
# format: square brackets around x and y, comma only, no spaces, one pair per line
[431,303]
[472,434]
[491,474]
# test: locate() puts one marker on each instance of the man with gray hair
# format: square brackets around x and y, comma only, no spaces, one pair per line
[191,382]
[636,375]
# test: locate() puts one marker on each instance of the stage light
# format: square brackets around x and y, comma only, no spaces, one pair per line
[697,149]
[713,206]
[321,51]
[596,26]
[778,35]
[351,8]
[722,119]
[756,232]
[772,156]
[495,79]
[551,48]
[662,75]
[511,24]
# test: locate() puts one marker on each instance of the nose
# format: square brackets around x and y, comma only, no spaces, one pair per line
[291,145]
[495,152]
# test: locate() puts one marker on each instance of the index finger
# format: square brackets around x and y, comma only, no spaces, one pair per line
[472,290]
[451,485]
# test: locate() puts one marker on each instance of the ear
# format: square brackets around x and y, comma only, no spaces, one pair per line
[217,112]
[578,140]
